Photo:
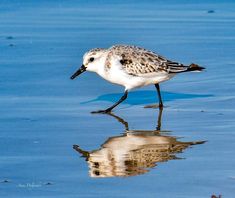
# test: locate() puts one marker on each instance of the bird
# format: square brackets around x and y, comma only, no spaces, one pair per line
[132,67]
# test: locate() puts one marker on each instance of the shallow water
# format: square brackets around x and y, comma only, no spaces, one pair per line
[44,114]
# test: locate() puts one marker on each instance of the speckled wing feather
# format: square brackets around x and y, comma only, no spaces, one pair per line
[138,61]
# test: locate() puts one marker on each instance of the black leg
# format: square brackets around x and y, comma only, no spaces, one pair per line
[116,104]
[159,95]
[121,120]
[159,120]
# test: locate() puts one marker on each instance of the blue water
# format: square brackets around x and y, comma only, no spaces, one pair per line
[43,113]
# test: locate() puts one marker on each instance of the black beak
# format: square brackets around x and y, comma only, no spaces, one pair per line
[78,72]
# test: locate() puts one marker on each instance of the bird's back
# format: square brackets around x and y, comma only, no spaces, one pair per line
[137,61]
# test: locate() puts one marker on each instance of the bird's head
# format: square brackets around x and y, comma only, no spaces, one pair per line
[91,61]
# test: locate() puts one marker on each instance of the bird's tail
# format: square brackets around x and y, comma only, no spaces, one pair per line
[179,68]
[195,67]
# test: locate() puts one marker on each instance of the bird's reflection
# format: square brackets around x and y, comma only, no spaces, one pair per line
[133,153]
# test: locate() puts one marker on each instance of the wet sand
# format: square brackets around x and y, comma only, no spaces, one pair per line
[44,113]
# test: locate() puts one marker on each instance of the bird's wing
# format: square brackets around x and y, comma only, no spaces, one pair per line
[138,61]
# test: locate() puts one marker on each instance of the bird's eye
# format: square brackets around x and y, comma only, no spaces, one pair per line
[91,59]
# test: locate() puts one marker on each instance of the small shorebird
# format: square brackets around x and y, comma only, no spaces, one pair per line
[131,67]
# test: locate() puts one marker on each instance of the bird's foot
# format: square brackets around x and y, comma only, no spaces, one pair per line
[154,106]
[102,111]
[160,105]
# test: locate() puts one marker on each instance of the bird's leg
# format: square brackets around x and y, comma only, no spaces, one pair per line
[159,95]
[113,106]
[159,120]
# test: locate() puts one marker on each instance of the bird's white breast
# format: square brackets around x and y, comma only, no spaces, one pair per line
[117,75]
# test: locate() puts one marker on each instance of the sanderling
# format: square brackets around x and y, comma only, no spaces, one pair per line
[131,67]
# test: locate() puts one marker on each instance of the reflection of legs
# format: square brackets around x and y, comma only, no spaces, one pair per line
[120,120]
[159,95]
[159,120]
[116,104]
[125,123]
